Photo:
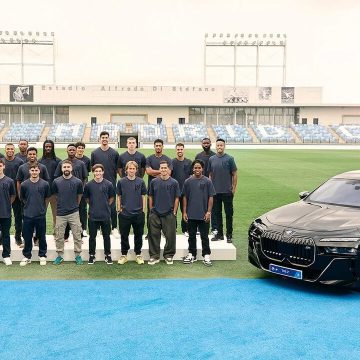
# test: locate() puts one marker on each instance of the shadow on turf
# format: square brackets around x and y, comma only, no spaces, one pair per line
[311,288]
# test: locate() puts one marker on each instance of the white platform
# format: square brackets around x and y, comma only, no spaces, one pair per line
[220,250]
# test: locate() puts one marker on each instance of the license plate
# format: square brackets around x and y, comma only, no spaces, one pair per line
[281,270]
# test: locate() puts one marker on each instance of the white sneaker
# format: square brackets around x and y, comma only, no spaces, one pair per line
[7,261]
[186,234]
[25,261]
[207,261]
[189,259]
[84,233]
[115,233]
[42,261]
[169,261]
[214,232]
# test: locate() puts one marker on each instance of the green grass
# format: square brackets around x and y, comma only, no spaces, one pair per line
[267,179]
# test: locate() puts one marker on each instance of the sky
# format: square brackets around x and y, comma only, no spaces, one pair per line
[161,42]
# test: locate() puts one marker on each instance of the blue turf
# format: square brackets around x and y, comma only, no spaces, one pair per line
[187,319]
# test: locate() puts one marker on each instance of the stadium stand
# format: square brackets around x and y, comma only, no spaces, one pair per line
[31,132]
[189,132]
[349,133]
[112,129]
[273,134]
[150,132]
[313,133]
[232,133]
[66,132]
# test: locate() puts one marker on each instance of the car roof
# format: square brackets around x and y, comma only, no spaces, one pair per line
[355,174]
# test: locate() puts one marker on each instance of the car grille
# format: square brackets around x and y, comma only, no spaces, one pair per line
[295,249]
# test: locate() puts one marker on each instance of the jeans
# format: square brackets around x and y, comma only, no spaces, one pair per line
[5,224]
[227,199]
[39,225]
[203,226]
[137,222]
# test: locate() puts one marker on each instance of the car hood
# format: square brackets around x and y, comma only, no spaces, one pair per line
[315,217]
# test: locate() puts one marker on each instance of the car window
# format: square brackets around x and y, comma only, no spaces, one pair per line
[337,191]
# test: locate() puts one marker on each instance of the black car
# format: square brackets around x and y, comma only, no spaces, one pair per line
[315,239]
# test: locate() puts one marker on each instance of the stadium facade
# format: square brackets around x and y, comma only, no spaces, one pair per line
[209,105]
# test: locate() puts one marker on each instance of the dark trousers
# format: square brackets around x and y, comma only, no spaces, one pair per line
[17,210]
[83,213]
[5,224]
[105,227]
[39,225]
[113,214]
[184,226]
[137,222]
[203,226]
[168,225]
[213,220]
[227,199]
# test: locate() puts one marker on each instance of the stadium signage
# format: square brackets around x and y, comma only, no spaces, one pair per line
[63,88]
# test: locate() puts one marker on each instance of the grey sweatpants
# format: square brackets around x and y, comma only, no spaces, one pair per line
[168,225]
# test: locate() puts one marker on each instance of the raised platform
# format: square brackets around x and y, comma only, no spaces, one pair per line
[220,250]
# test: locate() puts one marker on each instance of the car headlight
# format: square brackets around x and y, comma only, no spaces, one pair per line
[340,250]
[344,239]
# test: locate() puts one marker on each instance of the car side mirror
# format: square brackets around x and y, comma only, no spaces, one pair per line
[303,194]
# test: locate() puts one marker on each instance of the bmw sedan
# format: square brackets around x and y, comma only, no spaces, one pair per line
[315,239]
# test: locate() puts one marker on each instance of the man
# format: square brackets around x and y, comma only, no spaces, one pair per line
[99,194]
[68,190]
[131,191]
[50,161]
[34,193]
[12,165]
[108,158]
[181,171]
[204,156]
[24,174]
[223,174]
[23,146]
[164,196]
[7,197]
[198,195]
[23,171]
[153,165]
[78,170]
[131,155]
[80,148]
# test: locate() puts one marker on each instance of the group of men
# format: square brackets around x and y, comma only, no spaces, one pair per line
[198,187]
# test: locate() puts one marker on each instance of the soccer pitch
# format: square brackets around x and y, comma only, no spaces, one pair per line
[266,179]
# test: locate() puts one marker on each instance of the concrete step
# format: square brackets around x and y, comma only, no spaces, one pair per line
[220,250]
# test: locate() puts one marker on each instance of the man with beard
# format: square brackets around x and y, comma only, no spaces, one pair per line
[50,161]
[80,148]
[34,193]
[204,156]
[23,146]
[108,158]
[68,190]
[78,170]
[12,165]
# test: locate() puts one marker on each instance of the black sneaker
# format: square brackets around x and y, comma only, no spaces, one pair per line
[229,239]
[91,260]
[217,237]
[108,259]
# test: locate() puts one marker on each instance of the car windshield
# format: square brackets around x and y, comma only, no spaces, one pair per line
[339,192]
